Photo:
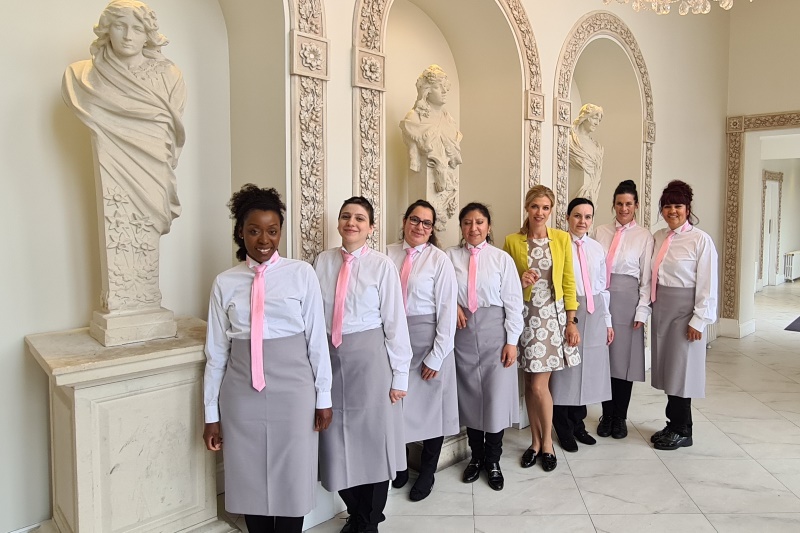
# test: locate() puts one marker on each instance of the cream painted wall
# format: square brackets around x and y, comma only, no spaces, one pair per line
[50,274]
[764,51]
[414,42]
[790,203]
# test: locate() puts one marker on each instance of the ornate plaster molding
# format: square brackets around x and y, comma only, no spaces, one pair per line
[369,25]
[310,70]
[589,27]
[737,126]
[770,176]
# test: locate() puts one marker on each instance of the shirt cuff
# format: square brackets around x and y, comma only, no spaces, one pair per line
[400,382]
[212,413]
[433,362]
[642,315]
[324,400]
[697,323]
[608,322]
[512,339]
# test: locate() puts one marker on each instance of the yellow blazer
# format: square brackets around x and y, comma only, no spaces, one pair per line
[563,274]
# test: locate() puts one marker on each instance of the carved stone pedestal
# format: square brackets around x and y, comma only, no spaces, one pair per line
[118,328]
[454,450]
[125,427]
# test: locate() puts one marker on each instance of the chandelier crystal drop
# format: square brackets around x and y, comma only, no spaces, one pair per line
[662,7]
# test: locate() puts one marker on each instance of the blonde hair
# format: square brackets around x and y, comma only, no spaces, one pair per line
[537,191]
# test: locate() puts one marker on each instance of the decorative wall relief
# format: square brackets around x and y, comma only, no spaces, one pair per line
[589,27]
[770,176]
[310,71]
[369,138]
[132,98]
[737,126]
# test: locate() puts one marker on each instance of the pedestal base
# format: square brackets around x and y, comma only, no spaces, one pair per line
[213,526]
[116,329]
[125,427]
[454,450]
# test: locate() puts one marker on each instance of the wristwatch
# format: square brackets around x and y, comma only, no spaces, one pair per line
[574,320]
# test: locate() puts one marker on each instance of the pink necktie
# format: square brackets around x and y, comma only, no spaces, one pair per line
[338,301]
[612,252]
[472,285]
[405,271]
[662,252]
[257,324]
[587,285]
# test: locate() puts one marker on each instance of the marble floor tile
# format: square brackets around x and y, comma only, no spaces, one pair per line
[716,384]
[539,524]
[709,443]
[732,486]
[764,439]
[734,406]
[752,376]
[787,404]
[630,487]
[748,523]
[652,523]
[787,471]
[450,496]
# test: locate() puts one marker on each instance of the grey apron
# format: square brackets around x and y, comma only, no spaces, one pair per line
[270,446]
[627,350]
[679,366]
[590,381]
[488,397]
[364,443]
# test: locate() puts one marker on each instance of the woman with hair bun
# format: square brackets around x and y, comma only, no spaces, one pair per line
[629,251]
[684,297]
[267,387]
[428,282]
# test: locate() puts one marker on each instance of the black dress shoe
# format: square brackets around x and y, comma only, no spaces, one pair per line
[351,526]
[529,458]
[549,461]
[421,489]
[584,438]
[658,434]
[568,444]
[604,427]
[619,429]
[672,441]
[472,471]
[496,479]
[400,479]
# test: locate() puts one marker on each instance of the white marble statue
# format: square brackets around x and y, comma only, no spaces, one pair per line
[434,143]
[132,99]
[585,153]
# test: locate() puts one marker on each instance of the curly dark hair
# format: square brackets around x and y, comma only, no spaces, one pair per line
[252,198]
[427,205]
[679,192]
[483,210]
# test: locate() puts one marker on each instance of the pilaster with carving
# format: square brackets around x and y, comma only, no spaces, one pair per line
[770,176]
[585,30]
[309,68]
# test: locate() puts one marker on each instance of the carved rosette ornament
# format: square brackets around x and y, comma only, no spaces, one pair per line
[368,80]
[592,25]
[309,69]
[737,126]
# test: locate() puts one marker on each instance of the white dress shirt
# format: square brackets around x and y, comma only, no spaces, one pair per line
[432,289]
[633,257]
[691,261]
[596,259]
[497,284]
[292,305]
[374,299]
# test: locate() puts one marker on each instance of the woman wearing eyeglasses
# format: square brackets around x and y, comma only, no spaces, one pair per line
[428,280]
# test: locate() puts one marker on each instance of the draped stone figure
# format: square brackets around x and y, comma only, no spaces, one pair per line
[434,146]
[132,99]
[586,154]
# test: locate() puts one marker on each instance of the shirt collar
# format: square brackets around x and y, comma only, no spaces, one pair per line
[272,260]
[629,225]
[357,253]
[480,246]
[576,238]
[419,248]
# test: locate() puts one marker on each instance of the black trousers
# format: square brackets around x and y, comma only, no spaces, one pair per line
[679,415]
[568,420]
[366,502]
[273,524]
[617,406]
[485,446]
[429,459]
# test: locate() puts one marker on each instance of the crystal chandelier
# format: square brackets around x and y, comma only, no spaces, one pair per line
[662,7]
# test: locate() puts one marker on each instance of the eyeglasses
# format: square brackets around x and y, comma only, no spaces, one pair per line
[416,221]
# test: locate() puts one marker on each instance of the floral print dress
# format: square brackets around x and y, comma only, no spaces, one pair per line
[542,345]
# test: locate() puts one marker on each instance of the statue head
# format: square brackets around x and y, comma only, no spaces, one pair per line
[432,88]
[140,12]
[591,113]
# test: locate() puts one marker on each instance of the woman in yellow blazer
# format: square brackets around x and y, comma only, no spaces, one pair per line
[543,257]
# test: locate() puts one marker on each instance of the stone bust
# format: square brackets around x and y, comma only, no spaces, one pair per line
[585,153]
[434,142]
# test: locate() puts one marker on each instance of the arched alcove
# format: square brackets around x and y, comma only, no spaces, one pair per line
[591,28]
[499,78]
[604,76]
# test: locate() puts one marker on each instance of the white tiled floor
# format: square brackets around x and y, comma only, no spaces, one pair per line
[741,475]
